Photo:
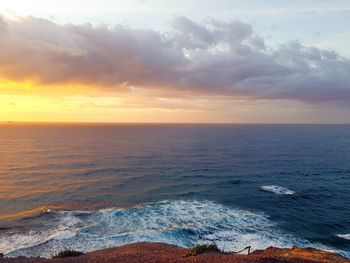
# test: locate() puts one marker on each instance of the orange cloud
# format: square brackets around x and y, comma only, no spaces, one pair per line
[213,59]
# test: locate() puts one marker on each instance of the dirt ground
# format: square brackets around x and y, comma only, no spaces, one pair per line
[158,252]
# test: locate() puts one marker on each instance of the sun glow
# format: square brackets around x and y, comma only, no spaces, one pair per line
[20,86]
[32,87]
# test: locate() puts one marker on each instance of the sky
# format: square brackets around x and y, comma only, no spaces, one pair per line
[183,61]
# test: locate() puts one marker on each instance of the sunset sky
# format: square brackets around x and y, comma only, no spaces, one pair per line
[183,61]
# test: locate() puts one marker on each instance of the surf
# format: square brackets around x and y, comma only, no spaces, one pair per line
[181,222]
[276,189]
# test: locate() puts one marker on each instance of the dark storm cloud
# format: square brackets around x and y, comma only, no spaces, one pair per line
[216,58]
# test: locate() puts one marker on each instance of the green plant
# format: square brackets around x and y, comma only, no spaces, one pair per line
[68,253]
[202,248]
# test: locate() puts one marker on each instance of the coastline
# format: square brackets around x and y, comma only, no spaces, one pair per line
[160,252]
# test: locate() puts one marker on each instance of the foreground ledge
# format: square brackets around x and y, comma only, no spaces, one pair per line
[159,252]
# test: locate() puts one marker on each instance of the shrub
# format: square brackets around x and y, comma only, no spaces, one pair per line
[202,248]
[68,253]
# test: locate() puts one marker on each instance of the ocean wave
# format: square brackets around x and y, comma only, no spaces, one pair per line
[183,223]
[65,228]
[344,236]
[280,190]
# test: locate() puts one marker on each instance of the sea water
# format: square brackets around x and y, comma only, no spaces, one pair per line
[88,187]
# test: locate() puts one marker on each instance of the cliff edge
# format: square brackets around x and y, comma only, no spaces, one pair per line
[158,252]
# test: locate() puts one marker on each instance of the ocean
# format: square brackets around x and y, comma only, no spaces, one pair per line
[90,186]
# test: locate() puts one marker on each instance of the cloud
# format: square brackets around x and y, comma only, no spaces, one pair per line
[212,58]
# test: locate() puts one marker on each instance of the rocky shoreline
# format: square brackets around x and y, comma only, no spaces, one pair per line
[159,252]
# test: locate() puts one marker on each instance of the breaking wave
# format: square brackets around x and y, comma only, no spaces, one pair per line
[279,190]
[183,223]
[344,236]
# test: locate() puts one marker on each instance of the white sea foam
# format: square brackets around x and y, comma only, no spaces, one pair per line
[183,223]
[66,228]
[344,236]
[280,190]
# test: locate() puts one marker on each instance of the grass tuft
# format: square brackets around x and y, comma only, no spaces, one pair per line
[68,253]
[202,248]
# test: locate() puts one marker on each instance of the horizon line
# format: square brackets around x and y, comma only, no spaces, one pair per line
[162,123]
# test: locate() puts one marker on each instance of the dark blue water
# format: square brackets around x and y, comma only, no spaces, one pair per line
[95,186]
